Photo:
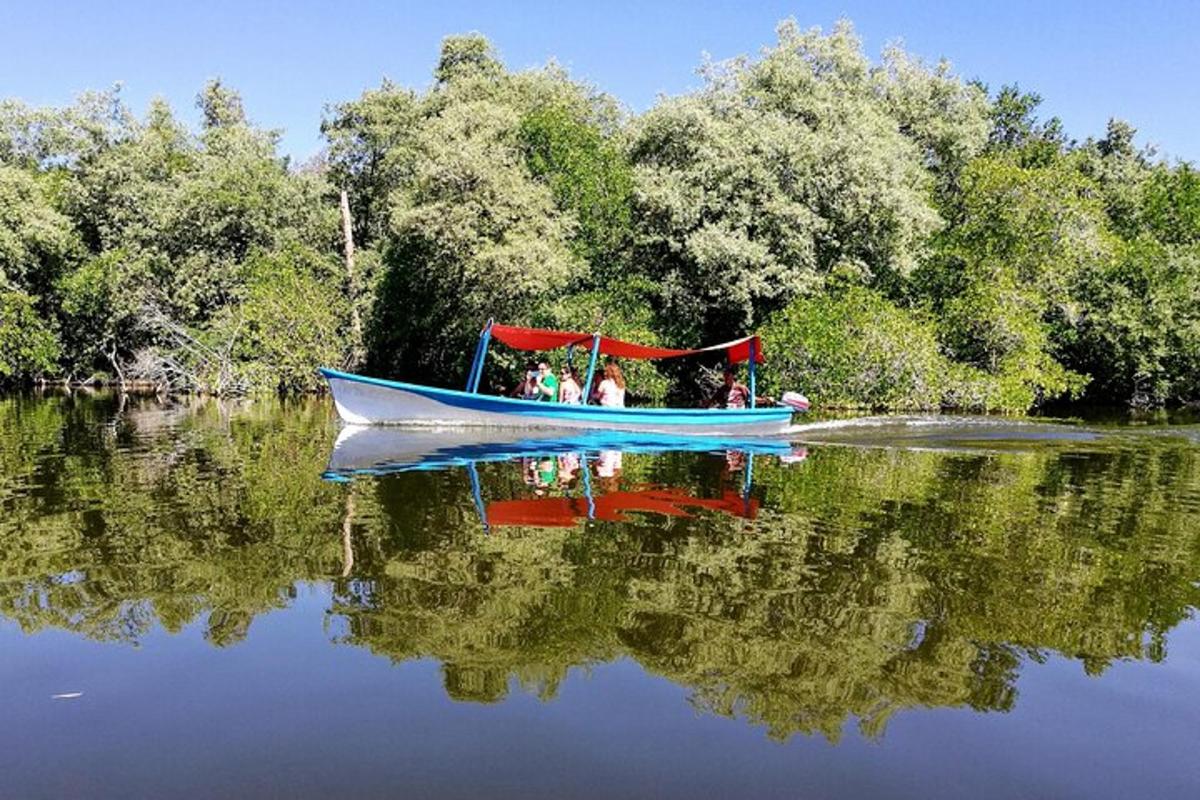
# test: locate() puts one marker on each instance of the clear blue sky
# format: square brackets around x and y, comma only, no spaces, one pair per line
[1089,60]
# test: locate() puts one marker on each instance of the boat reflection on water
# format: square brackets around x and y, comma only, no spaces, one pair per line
[572,476]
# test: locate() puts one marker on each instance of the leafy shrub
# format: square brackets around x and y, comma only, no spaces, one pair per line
[1140,337]
[28,345]
[856,349]
[292,321]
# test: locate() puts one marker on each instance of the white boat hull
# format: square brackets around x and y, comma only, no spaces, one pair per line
[371,401]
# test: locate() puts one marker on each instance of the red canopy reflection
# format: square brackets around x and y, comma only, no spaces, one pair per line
[565,512]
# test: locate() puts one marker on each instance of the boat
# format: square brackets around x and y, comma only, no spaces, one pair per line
[363,400]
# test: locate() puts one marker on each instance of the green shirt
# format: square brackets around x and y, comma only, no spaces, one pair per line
[547,471]
[549,382]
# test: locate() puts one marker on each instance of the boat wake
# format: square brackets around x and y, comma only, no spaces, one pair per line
[976,432]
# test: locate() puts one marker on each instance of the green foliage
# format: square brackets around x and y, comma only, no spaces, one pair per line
[588,175]
[1172,204]
[473,236]
[1016,128]
[948,119]
[112,216]
[467,56]
[998,327]
[220,106]
[95,309]
[1004,276]
[1141,336]
[28,346]
[371,151]
[788,179]
[780,172]
[293,317]
[855,349]
[36,239]
[481,220]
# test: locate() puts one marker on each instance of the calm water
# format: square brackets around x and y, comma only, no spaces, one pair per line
[913,608]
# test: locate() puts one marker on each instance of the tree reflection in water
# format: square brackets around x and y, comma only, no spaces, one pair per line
[856,584]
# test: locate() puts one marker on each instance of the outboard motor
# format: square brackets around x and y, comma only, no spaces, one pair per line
[796,400]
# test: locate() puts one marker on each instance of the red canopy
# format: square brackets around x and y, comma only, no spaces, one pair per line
[736,351]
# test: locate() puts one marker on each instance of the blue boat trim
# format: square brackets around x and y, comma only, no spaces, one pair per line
[516,407]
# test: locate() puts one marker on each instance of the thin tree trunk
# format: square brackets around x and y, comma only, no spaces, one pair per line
[116,365]
[356,351]
[347,542]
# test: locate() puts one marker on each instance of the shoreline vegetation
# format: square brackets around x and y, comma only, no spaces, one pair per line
[903,238]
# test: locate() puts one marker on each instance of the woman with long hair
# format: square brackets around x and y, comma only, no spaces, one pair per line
[611,391]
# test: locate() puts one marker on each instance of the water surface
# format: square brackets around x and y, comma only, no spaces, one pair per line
[203,600]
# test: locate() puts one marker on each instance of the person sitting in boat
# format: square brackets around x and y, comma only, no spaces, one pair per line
[608,467]
[611,391]
[527,387]
[568,387]
[734,394]
[547,384]
[731,393]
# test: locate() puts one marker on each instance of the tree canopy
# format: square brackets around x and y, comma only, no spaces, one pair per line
[788,188]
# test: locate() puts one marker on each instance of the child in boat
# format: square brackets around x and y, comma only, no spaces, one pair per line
[611,391]
[568,387]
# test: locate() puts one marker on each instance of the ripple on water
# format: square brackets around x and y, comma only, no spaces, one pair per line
[979,432]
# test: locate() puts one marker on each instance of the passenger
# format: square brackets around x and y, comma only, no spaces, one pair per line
[730,394]
[547,384]
[568,387]
[527,387]
[568,469]
[545,474]
[594,390]
[608,470]
[611,391]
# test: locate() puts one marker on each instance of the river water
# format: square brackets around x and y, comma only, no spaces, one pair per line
[228,600]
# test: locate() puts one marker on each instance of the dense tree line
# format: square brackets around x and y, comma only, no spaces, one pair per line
[903,237]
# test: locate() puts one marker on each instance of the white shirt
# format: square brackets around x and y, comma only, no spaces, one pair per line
[610,394]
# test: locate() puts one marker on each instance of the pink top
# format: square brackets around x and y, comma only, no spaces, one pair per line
[610,394]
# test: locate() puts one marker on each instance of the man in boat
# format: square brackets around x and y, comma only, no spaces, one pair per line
[731,393]
[547,384]
[734,394]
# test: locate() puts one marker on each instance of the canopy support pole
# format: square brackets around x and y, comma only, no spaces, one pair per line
[480,354]
[587,485]
[747,482]
[477,495]
[753,358]
[587,383]
[474,364]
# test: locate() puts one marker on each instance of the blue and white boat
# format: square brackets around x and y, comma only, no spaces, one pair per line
[362,400]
